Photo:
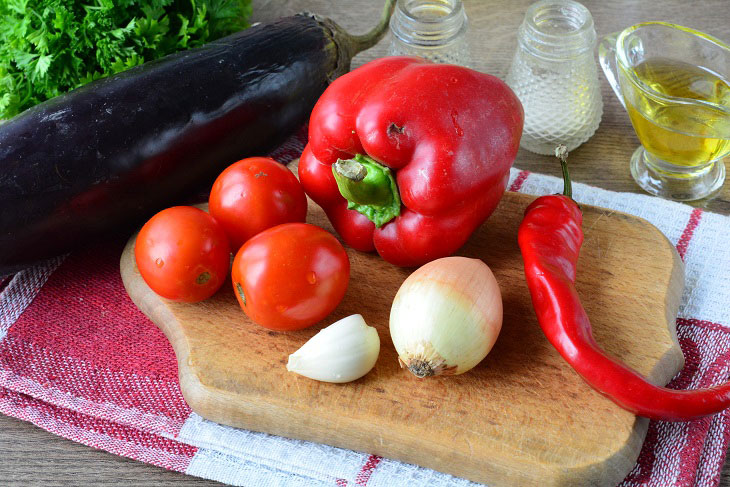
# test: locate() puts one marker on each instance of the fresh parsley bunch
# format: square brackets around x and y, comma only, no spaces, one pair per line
[49,47]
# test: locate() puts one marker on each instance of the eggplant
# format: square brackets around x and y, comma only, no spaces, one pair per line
[110,154]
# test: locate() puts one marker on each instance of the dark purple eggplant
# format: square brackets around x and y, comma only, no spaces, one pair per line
[108,155]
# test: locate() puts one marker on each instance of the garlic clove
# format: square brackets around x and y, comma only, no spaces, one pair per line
[342,352]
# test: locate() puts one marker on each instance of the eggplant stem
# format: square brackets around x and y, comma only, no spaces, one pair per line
[369,39]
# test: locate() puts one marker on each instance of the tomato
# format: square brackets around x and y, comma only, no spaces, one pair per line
[183,254]
[254,194]
[290,276]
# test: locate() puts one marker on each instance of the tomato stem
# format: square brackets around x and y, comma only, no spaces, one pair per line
[202,278]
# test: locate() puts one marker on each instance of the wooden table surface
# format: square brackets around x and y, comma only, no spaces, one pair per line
[31,456]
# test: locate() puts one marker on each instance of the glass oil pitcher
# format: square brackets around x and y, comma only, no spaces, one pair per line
[675,85]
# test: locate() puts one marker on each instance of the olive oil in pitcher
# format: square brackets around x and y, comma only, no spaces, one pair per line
[685,134]
[675,84]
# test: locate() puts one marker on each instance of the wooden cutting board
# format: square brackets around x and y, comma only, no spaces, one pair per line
[521,417]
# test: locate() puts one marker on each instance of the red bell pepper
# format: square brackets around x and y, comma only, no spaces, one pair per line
[408,157]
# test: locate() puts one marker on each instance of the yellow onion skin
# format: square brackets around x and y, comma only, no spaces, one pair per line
[446,316]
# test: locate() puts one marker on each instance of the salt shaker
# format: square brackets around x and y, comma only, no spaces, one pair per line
[554,74]
[432,29]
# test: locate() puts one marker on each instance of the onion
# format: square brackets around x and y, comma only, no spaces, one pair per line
[446,317]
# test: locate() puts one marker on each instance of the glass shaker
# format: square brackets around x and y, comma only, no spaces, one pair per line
[432,29]
[554,74]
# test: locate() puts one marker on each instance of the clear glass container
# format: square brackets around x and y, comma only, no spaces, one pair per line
[674,82]
[432,29]
[554,73]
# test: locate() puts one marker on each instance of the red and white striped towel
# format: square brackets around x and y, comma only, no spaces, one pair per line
[78,359]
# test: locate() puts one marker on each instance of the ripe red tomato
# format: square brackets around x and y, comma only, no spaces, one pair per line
[290,276]
[254,194]
[183,254]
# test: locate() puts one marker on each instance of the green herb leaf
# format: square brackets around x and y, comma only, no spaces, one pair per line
[41,65]
[49,47]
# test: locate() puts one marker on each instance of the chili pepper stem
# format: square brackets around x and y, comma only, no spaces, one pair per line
[369,188]
[561,152]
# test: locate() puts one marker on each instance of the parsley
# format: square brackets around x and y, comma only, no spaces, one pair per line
[49,47]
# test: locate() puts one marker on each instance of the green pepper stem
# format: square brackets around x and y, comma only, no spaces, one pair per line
[369,187]
[561,152]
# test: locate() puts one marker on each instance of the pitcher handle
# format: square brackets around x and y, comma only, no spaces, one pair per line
[607,59]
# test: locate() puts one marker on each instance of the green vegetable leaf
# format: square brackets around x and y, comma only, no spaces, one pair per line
[42,64]
[49,47]
[17,6]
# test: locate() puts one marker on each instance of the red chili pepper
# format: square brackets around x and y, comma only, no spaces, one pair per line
[408,157]
[550,237]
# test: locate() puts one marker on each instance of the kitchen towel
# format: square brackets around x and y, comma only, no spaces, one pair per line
[78,359]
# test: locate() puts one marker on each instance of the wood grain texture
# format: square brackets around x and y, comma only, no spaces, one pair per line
[521,417]
[34,457]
